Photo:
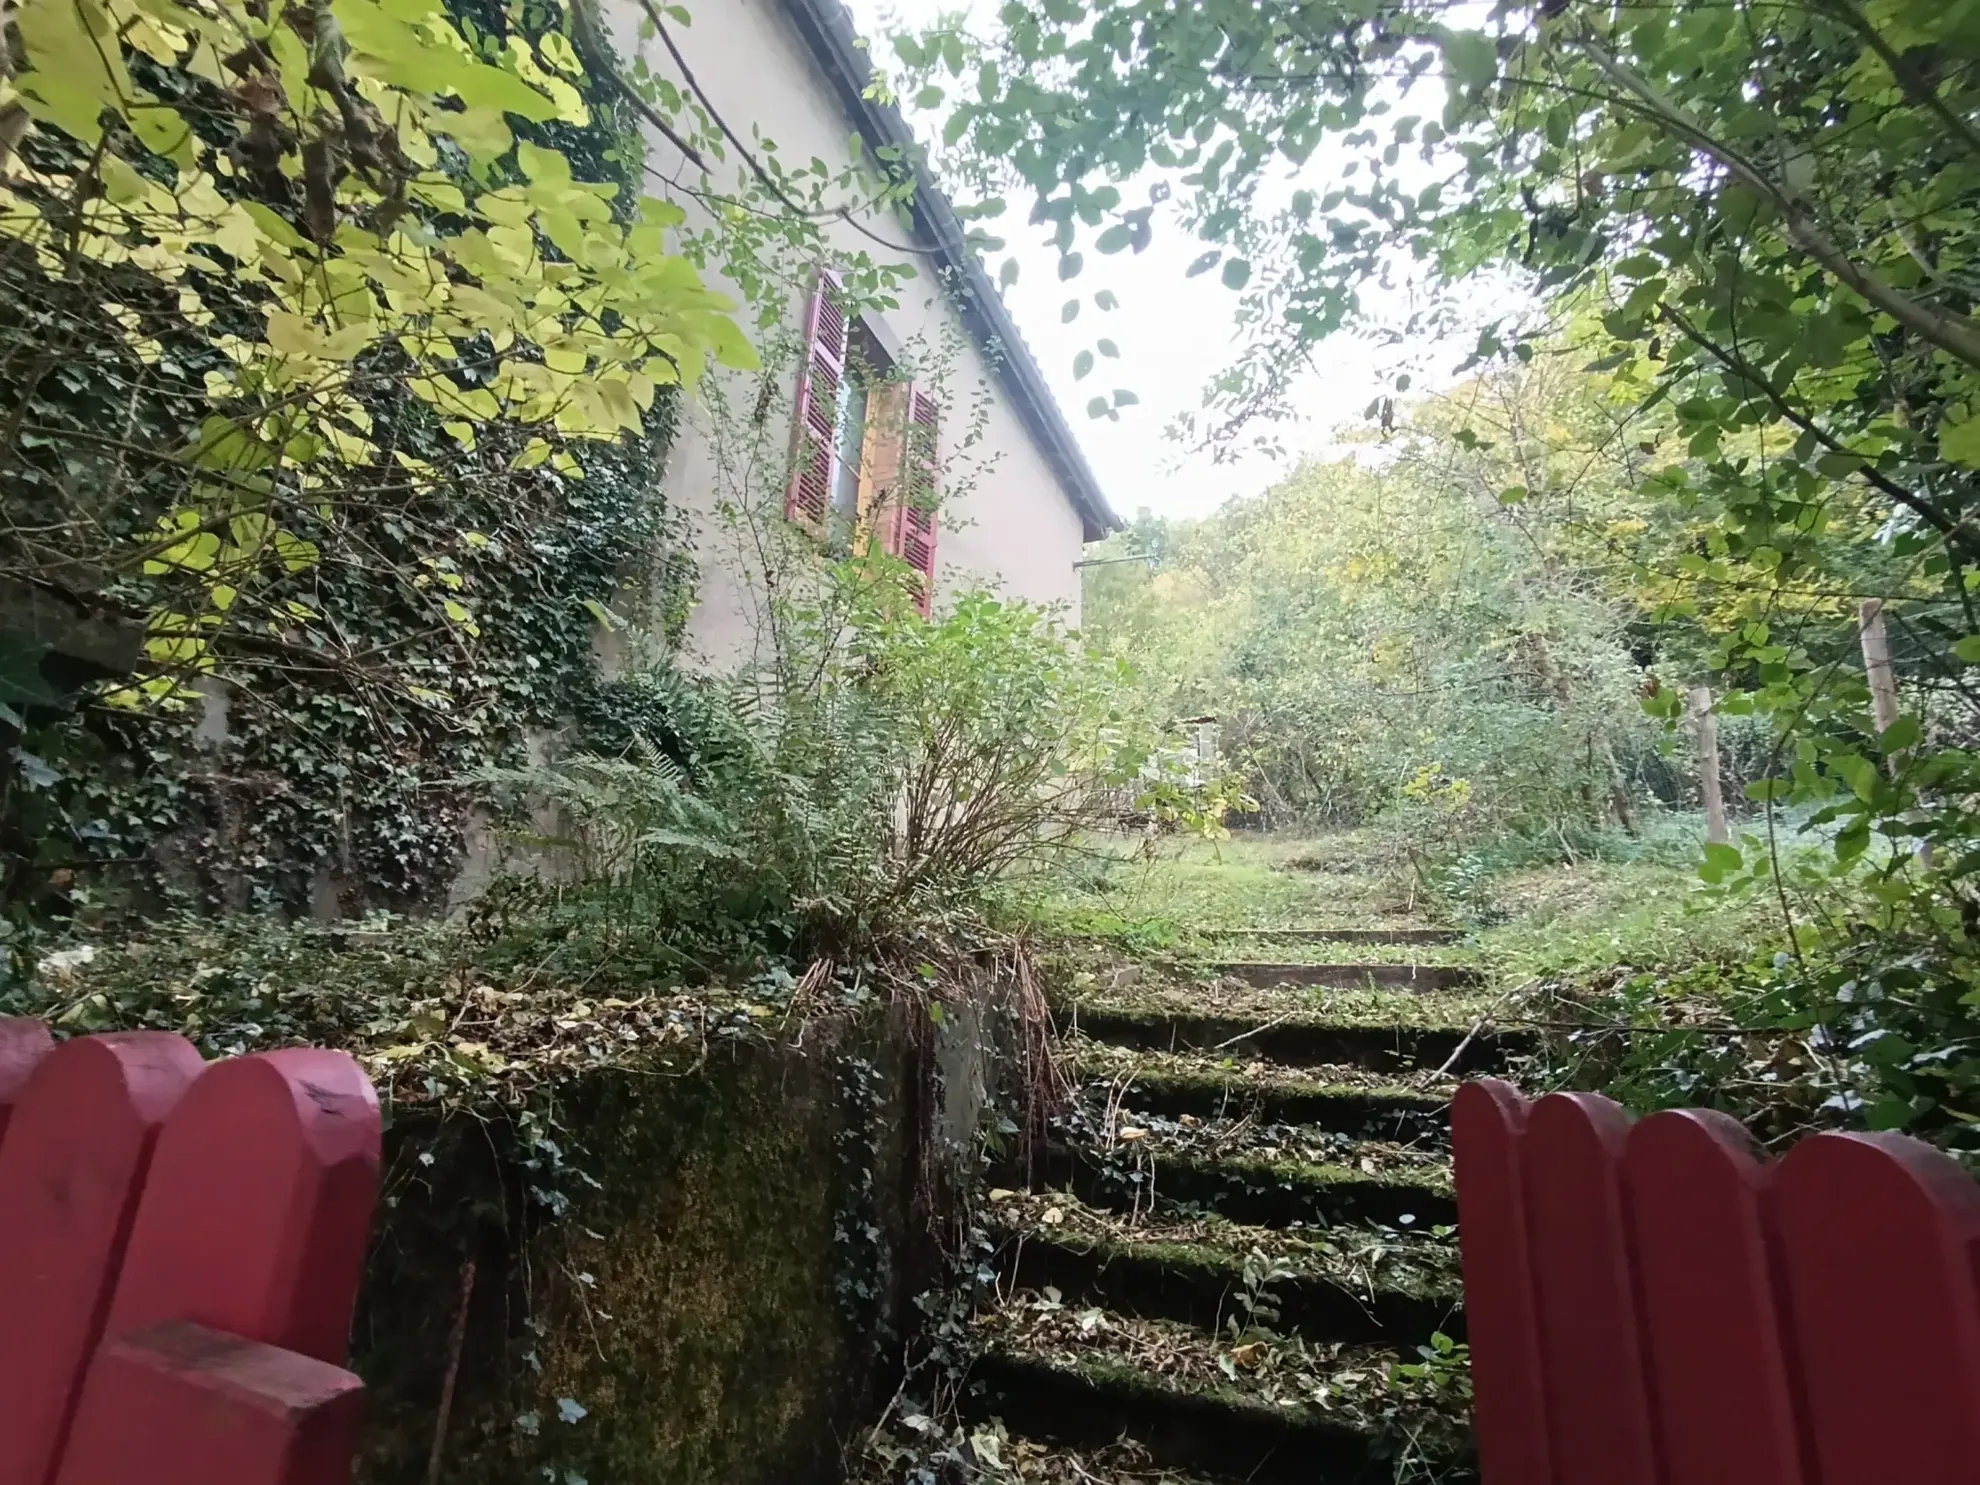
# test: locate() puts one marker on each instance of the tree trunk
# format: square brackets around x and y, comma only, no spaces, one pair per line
[1708,766]
[1882,676]
[1877,664]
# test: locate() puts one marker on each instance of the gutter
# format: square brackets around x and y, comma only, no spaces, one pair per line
[827,30]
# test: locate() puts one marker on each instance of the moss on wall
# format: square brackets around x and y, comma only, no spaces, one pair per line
[709,1265]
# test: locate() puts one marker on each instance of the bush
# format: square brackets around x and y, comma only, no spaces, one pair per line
[876,776]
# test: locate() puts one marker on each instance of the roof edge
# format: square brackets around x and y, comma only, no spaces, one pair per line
[827,29]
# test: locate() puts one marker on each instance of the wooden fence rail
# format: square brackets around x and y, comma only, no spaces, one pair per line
[1654,1304]
[180,1249]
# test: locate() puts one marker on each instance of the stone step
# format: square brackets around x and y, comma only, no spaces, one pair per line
[1024,1461]
[1301,1040]
[1347,1285]
[1260,1409]
[1174,1085]
[1267,1193]
[1424,936]
[1227,1439]
[1352,975]
[1112,1122]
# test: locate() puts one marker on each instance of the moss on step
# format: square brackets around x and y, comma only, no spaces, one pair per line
[1358,1004]
[1371,937]
[1367,974]
[1361,1257]
[1309,1040]
[1270,1193]
[1240,1066]
[1319,1297]
[1371,1110]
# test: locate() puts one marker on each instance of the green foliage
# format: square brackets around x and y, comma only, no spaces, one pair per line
[344,358]
[883,772]
[1872,1030]
[1380,641]
[1756,225]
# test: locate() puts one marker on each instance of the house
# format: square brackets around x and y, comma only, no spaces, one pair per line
[864,448]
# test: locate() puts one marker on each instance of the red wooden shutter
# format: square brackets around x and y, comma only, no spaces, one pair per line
[815,461]
[912,538]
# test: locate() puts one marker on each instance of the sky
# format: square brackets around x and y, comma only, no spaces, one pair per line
[1174,332]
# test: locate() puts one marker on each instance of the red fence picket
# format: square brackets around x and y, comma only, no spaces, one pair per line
[180,1247]
[1704,1318]
[74,1161]
[1717,1361]
[1879,1236]
[1509,1407]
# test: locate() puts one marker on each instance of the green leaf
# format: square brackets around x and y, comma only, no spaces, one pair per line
[1967,649]
[1237,273]
[929,97]
[1008,274]
[1082,363]
[1107,348]
[1959,437]
[1125,398]
[1720,859]
[1070,265]
[1115,238]
[1852,840]
[1069,311]
[1105,300]
[1098,407]
[1205,263]
[1901,734]
[1471,58]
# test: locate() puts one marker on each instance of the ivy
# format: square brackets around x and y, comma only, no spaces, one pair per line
[305,673]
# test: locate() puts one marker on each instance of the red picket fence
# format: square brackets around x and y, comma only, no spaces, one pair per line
[180,1249]
[1653,1304]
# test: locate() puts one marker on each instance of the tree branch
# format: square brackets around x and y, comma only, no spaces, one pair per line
[1915,86]
[1746,371]
[1953,333]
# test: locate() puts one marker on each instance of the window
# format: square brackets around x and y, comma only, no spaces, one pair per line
[864,461]
[863,392]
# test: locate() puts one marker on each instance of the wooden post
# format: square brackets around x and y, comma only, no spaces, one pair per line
[1708,766]
[1877,664]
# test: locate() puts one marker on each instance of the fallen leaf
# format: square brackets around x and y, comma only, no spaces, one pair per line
[1053,1216]
[1133,1132]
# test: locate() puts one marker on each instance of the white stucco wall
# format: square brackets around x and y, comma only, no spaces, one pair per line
[1013,526]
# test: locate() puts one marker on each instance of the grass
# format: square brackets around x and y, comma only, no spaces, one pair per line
[1623,902]
[1594,917]
[1247,881]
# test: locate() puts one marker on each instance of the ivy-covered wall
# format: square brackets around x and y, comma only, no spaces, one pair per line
[695,1277]
[314,752]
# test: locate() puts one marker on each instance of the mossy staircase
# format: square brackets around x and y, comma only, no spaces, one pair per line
[1233,1259]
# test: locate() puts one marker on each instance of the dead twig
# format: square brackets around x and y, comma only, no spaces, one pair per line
[455,1343]
[1479,1025]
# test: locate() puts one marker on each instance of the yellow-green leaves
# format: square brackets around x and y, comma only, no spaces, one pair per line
[432,252]
[1959,436]
[75,65]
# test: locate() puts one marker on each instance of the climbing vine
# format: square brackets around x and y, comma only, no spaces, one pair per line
[345,361]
